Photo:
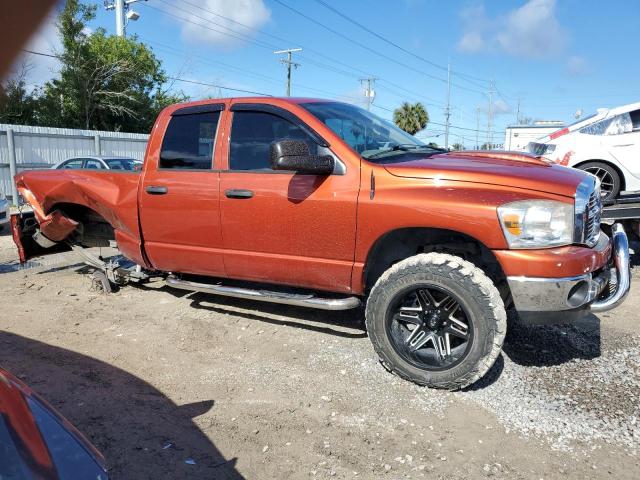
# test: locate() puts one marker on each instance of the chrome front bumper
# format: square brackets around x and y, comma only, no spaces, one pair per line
[568,298]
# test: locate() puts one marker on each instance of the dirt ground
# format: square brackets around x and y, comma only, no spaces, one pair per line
[175,385]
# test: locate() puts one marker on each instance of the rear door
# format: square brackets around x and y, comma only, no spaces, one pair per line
[179,198]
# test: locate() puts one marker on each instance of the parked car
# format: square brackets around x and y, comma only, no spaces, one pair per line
[301,197]
[37,442]
[4,212]
[606,144]
[101,163]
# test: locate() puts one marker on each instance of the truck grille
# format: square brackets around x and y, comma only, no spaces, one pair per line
[588,211]
[593,214]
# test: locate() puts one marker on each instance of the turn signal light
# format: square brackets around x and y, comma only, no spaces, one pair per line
[512,224]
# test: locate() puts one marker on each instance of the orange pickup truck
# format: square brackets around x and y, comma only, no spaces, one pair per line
[322,204]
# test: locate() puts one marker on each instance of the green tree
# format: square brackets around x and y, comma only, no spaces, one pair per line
[17,105]
[411,117]
[457,146]
[106,82]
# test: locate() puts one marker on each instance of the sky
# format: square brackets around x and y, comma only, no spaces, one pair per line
[552,58]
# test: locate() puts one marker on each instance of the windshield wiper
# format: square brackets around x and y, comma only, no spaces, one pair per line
[400,146]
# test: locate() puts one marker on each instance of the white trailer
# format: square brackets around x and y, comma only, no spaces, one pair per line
[517,137]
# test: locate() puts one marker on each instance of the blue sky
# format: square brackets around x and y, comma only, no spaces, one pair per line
[555,57]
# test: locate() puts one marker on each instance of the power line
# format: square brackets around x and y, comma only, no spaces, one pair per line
[315,62]
[224,87]
[355,42]
[237,35]
[41,53]
[392,43]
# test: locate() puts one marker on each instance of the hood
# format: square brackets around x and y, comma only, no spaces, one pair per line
[511,169]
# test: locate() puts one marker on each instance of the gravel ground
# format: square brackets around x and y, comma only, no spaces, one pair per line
[173,385]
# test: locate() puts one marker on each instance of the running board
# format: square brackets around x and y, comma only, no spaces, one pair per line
[300,300]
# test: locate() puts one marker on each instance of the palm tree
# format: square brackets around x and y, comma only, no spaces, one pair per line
[411,118]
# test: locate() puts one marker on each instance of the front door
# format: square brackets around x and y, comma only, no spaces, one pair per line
[284,227]
[179,201]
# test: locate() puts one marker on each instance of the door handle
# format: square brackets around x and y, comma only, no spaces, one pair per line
[156,190]
[238,193]
[624,145]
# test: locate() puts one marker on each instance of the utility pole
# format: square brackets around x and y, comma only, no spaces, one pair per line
[123,14]
[289,63]
[490,117]
[518,113]
[477,127]
[369,91]
[447,113]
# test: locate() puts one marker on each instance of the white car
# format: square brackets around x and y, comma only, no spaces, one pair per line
[606,144]
[94,162]
[4,212]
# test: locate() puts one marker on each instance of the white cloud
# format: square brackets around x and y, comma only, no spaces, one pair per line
[530,31]
[498,107]
[251,13]
[471,42]
[576,66]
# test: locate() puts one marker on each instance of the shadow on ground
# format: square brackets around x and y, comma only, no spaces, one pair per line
[127,419]
[350,323]
[547,345]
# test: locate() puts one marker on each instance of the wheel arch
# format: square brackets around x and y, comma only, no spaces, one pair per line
[399,244]
[93,228]
[623,180]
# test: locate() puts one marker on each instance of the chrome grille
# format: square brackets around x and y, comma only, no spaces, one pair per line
[588,210]
[593,213]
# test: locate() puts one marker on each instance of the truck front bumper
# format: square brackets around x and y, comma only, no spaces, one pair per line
[561,300]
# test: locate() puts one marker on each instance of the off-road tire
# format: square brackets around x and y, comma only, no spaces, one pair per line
[475,290]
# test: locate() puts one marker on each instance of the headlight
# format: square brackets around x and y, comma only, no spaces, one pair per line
[537,223]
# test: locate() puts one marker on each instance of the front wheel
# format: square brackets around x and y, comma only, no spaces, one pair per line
[436,320]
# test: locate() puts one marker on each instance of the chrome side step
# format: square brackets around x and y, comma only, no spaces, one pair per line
[300,300]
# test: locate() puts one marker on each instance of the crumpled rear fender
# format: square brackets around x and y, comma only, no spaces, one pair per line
[112,195]
[55,226]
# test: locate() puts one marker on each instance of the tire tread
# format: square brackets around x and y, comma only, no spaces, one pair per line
[454,268]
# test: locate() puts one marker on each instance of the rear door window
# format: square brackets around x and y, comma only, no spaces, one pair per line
[189,142]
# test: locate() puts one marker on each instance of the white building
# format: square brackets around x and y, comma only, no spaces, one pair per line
[518,136]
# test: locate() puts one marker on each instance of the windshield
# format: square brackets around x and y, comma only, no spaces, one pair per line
[120,163]
[372,137]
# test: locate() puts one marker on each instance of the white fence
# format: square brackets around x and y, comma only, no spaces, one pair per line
[25,147]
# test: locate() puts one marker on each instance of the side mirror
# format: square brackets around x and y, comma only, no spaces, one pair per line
[294,155]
